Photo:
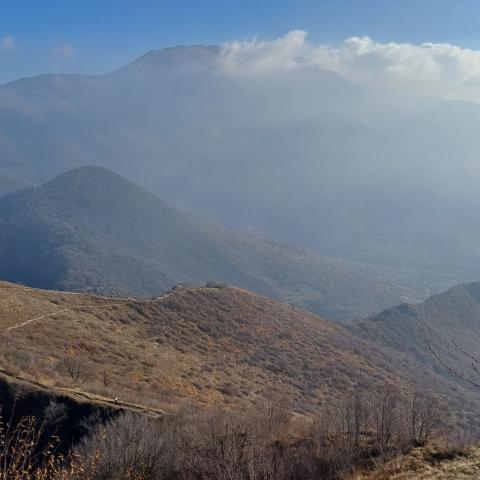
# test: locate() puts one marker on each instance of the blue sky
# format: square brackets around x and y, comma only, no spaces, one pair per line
[96,36]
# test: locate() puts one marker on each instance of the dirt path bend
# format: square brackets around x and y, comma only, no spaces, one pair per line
[74,392]
[63,310]
[119,302]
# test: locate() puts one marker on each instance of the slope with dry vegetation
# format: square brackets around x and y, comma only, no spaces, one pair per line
[449,322]
[213,345]
[262,443]
[434,462]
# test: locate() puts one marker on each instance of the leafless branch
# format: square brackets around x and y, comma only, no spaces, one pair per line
[471,357]
[450,369]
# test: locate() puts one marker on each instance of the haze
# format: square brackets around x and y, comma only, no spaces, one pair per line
[350,149]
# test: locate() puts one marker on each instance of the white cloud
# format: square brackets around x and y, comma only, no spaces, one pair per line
[436,68]
[258,56]
[64,51]
[7,44]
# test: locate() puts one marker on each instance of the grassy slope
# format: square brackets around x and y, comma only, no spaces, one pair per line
[452,315]
[430,463]
[213,346]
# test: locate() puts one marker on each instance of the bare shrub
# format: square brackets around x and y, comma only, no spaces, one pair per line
[423,417]
[74,368]
[388,423]
[221,447]
[133,447]
[263,442]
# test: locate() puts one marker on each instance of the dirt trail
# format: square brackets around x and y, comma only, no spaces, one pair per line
[73,392]
[73,307]
[126,301]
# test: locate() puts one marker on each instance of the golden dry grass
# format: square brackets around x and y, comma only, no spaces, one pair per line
[431,463]
[209,345]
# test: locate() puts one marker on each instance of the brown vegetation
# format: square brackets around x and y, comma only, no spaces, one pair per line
[215,345]
[213,358]
[433,462]
[261,443]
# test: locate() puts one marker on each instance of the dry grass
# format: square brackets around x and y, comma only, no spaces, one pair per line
[210,345]
[213,346]
[430,463]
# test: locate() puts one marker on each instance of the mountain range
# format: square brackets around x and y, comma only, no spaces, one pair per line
[303,155]
[91,230]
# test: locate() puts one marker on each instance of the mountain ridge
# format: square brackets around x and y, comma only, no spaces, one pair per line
[92,230]
[448,323]
[211,345]
[305,156]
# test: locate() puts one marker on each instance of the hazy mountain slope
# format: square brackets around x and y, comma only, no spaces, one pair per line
[92,230]
[10,182]
[453,315]
[303,155]
[219,346]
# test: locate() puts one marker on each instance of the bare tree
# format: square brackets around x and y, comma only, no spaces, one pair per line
[134,447]
[106,378]
[74,368]
[387,422]
[423,416]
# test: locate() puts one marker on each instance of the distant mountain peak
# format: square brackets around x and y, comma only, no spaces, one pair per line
[182,57]
[88,172]
[90,175]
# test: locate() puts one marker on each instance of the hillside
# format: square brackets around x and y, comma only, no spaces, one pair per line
[210,346]
[302,155]
[430,463]
[452,315]
[92,230]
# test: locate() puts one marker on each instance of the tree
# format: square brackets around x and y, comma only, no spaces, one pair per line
[74,368]
[424,417]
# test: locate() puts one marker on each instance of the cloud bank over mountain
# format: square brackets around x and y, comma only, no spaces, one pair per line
[432,68]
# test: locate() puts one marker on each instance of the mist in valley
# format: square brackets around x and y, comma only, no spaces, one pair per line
[344,149]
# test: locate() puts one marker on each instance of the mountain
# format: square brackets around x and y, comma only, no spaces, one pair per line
[206,345]
[449,321]
[92,230]
[369,175]
[174,59]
